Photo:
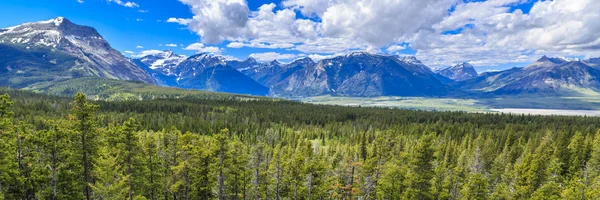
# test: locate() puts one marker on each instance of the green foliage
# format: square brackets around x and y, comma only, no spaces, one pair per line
[233,148]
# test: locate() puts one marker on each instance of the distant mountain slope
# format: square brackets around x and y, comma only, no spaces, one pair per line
[458,72]
[271,73]
[93,55]
[21,67]
[362,74]
[548,76]
[201,71]
[161,66]
[112,89]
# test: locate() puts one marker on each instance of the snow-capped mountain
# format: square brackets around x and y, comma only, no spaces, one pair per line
[549,76]
[202,71]
[274,72]
[161,66]
[92,55]
[164,62]
[458,72]
[360,74]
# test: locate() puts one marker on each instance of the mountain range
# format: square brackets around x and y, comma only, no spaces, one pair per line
[57,50]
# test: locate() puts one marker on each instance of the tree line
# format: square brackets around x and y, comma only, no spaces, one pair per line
[231,149]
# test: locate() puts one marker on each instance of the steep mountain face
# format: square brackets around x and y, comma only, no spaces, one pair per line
[271,73]
[91,54]
[245,65]
[361,74]
[161,66]
[551,76]
[206,72]
[458,72]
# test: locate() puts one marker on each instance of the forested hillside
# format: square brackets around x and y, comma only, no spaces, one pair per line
[230,148]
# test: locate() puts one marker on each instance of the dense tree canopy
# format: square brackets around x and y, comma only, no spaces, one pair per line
[231,148]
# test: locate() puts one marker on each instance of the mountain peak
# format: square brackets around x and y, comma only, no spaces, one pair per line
[250,60]
[463,65]
[410,59]
[359,53]
[306,60]
[59,20]
[557,60]
[458,72]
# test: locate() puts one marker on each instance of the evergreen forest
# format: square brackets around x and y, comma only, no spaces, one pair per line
[230,147]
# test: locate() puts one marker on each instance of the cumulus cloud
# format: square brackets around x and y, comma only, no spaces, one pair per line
[318,57]
[181,21]
[269,56]
[270,26]
[129,4]
[442,32]
[171,45]
[395,48]
[495,35]
[139,47]
[144,53]
[199,47]
[218,20]
[381,23]
[237,45]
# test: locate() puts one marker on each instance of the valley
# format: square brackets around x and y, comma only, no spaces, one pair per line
[541,105]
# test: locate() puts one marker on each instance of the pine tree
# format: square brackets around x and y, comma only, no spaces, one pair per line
[83,114]
[111,181]
[421,170]
[10,181]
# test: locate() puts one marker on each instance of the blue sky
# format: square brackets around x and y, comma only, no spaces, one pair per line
[126,28]
[494,34]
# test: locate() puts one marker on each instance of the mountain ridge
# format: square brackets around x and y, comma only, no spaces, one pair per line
[94,54]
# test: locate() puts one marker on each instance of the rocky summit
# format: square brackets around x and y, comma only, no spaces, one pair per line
[59,43]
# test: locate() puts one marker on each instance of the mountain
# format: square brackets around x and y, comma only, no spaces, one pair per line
[161,66]
[202,72]
[245,65]
[548,76]
[458,72]
[360,74]
[69,49]
[270,73]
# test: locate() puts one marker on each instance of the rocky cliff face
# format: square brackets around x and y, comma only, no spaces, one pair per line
[458,72]
[360,74]
[549,76]
[94,56]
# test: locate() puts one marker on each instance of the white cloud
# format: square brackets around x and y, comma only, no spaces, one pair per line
[128,4]
[269,26]
[237,45]
[143,11]
[139,47]
[139,19]
[171,45]
[491,32]
[199,47]
[395,48]
[381,23]
[181,21]
[311,8]
[145,53]
[80,1]
[128,52]
[318,57]
[269,56]
[218,20]
[497,36]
